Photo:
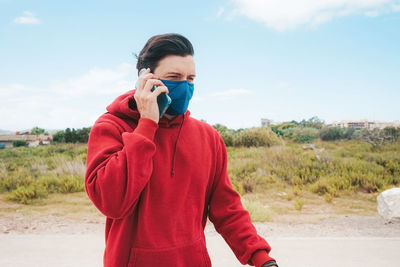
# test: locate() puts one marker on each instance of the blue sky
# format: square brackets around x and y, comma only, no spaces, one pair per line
[63,62]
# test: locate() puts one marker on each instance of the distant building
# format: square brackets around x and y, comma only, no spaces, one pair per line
[6,140]
[364,124]
[265,122]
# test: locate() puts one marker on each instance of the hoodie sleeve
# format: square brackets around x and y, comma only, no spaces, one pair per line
[231,220]
[119,165]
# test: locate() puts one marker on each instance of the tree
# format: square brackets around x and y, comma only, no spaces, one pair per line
[336,133]
[83,134]
[72,136]
[376,137]
[68,136]
[59,137]
[36,130]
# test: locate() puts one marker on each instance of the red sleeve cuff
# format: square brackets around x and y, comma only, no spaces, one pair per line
[260,257]
[146,127]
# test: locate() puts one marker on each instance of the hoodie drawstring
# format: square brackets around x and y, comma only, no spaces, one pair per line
[176,144]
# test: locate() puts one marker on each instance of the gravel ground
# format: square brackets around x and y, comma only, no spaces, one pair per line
[338,241]
[337,226]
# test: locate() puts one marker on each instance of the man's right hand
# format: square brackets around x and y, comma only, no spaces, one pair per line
[146,100]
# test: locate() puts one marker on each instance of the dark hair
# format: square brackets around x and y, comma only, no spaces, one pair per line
[161,45]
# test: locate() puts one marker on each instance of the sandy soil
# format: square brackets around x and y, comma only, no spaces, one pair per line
[334,226]
[335,241]
[66,230]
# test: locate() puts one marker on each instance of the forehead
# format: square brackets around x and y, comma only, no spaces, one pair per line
[174,63]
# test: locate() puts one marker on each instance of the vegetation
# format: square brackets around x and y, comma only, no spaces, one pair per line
[263,159]
[305,131]
[37,130]
[72,136]
[345,167]
[17,143]
[248,137]
[28,173]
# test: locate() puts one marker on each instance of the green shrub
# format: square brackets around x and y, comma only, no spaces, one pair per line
[256,137]
[280,128]
[71,184]
[8,183]
[298,204]
[49,183]
[336,133]
[305,135]
[301,134]
[226,134]
[18,143]
[25,194]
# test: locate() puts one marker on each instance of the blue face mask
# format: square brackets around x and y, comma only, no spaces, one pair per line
[180,93]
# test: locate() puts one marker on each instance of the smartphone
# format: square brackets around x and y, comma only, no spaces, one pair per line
[163,100]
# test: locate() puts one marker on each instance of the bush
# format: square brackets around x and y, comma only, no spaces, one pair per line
[8,183]
[336,133]
[50,184]
[18,143]
[27,171]
[256,137]
[378,137]
[71,184]
[25,194]
[301,134]
[280,128]
[226,134]
[298,204]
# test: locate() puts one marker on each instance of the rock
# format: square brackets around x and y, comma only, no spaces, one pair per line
[389,204]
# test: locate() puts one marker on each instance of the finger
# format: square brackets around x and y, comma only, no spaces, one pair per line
[139,82]
[143,70]
[150,83]
[159,90]
[143,79]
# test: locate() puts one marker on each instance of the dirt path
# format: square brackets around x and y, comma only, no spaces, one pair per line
[340,241]
[66,230]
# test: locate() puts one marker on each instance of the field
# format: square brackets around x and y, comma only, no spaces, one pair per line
[277,183]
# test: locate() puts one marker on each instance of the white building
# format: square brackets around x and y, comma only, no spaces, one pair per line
[6,140]
[364,124]
[265,122]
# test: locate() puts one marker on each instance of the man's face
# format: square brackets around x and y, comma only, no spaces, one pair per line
[176,68]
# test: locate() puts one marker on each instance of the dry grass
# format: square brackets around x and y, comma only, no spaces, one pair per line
[313,207]
[74,206]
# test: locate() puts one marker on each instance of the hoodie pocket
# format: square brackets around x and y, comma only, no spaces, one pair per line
[190,254]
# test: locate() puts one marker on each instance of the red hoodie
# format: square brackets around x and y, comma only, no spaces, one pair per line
[157,183]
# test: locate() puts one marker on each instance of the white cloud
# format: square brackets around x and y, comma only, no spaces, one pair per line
[96,81]
[283,84]
[27,18]
[220,11]
[371,14]
[284,15]
[74,102]
[396,7]
[232,92]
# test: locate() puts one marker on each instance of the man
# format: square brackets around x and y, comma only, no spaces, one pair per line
[158,179]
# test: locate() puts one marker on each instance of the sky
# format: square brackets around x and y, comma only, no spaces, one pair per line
[63,62]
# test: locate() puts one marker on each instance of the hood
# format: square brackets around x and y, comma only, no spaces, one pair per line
[124,107]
